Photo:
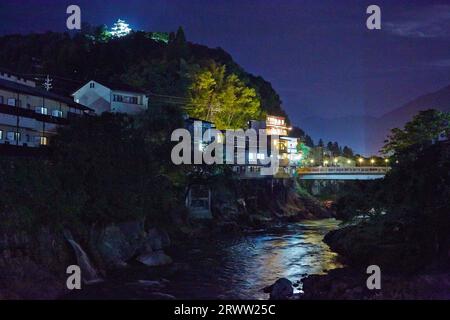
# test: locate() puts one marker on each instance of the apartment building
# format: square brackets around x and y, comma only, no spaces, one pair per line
[29,116]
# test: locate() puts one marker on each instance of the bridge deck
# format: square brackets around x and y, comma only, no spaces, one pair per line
[342,173]
[319,173]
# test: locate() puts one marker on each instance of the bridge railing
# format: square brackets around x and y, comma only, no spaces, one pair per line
[343,170]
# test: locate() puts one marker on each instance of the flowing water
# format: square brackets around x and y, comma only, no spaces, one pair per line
[232,268]
[89,273]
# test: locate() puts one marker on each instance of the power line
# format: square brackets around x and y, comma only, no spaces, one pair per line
[166,96]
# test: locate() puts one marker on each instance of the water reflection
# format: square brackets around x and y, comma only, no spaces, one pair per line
[229,268]
[240,269]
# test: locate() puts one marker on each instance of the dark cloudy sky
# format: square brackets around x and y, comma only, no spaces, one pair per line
[317,54]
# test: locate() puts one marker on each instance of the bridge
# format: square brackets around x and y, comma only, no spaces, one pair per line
[314,173]
[342,173]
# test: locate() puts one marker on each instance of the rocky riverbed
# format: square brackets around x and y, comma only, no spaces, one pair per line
[34,264]
[226,267]
[410,268]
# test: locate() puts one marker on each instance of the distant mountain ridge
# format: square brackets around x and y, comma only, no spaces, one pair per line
[439,100]
[367,134]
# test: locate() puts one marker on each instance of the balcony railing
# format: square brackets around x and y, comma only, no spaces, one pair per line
[27,113]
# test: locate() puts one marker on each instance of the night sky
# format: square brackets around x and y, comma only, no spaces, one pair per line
[318,55]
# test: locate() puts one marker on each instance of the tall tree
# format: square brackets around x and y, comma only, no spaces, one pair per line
[330,146]
[336,149]
[180,37]
[297,132]
[347,152]
[220,98]
[320,144]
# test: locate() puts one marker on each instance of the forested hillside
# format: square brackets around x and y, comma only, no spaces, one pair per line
[137,59]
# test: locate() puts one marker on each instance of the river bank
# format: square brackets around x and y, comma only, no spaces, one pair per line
[350,284]
[226,267]
[34,264]
[410,268]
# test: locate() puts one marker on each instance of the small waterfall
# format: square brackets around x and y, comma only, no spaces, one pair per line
[88,272]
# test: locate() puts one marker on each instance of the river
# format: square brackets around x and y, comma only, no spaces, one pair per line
[230,267]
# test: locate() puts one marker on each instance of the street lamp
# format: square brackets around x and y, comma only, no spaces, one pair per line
[335,161]
[386,161]
[311,161]
[360,160]
[325,162]
[372,161]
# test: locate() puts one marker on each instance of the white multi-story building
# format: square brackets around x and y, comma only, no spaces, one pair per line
[287,146]
[29,116]
[103,97]
[273,125]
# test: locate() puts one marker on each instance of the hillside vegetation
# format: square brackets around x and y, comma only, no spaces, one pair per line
[136,59]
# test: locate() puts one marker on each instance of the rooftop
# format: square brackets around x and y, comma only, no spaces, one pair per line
[25,89]
[115,86]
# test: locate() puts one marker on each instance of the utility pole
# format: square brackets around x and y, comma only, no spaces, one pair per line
[17,134]
[48,83]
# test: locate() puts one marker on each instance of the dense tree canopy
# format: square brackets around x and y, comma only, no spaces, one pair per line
[422,167]
[136,59]
[347,152]
[101,170]
[297,132]
[221,98]
[424,129]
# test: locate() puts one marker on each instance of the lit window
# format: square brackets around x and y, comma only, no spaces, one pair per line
[128,99]
[117,98]
[57,113]
[42,110]
[1,134]
[260,156]
[43,141]
[11,102]
[12,136]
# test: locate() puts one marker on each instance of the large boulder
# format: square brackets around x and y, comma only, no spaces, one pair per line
[282,289]
[118,243]
[113,247]
[394,242]
[154,259]
[156,239]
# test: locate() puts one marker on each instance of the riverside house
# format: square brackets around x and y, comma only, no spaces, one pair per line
[107,97]
[288,154]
